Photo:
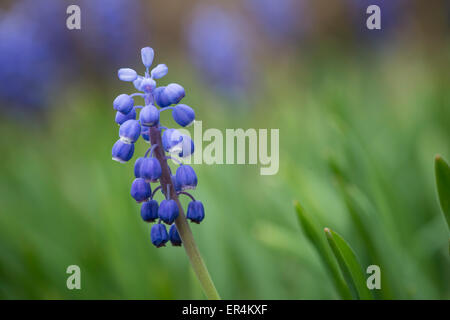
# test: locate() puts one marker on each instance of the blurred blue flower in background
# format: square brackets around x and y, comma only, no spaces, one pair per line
[32,52]
[219,46]
[280,20]
[111,30]
[391,18]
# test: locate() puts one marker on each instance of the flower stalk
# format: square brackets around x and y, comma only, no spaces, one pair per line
[181,223]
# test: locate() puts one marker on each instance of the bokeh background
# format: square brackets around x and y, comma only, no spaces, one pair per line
[361,115]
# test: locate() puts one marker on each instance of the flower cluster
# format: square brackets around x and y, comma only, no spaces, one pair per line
[153,166]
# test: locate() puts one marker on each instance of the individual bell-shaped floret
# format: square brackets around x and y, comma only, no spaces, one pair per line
[160,98]
[140,190]
[187,147]
[149,116]
[159,71]
[195,211]
[175,184]
[168,211]
[174,236]
[127,74]
[174,93]
[123,103]
[137,167]
[186,177]
[149,211]
[183,115]
[121,118]
[171,140]
[159,235]
[130,131]
[147,55]
[150,169]
[145,133]
[122,152]
[148,85]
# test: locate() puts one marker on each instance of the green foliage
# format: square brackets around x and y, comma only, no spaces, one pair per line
[315,237]
[442,172]
[64,201]
[350,267]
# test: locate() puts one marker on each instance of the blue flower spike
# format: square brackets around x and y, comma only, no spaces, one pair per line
[183,115]
[174,236]
[144,120]
[159,235]
[168,211]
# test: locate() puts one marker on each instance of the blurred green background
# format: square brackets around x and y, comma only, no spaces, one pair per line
[361,113]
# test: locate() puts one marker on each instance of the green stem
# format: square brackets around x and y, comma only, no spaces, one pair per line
[181,223]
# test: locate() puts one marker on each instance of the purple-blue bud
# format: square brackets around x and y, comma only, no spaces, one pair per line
[175,183]
[149,211]
[149,116]
[122,152]
[137,167]
[174,93]
[187,147]
[195,211]
[147,55]
[121,118]
[171,140]
[174,236]
[145,133]
[148,85]
[186,177]
[159,71]
[123,103]
[137,83]
[150,169]
[130,131]
[183,115]
[161,99]
[159,235]
[168,211]
[140,190]
[127,74]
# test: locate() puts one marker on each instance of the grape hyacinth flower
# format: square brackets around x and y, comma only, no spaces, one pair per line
[153,167]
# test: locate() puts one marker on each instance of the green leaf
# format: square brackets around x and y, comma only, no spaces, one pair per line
[314,235]
[350,267]
[442,171]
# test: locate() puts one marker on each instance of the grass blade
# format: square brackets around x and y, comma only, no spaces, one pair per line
[442,172]
[314,236]
[350,267]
